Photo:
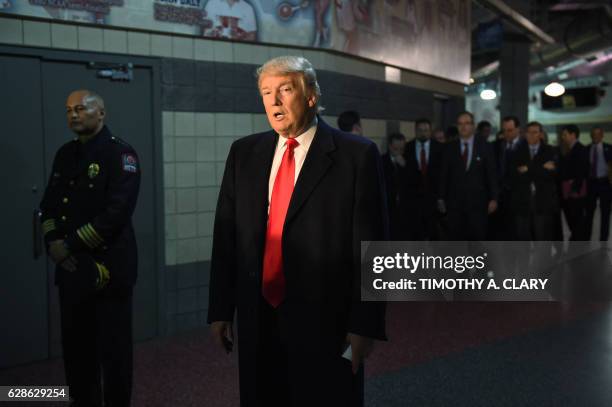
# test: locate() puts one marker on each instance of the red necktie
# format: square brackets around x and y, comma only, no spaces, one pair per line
[464,155]
[273,285]
[423,160]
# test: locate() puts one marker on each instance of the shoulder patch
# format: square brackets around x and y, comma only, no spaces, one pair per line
[129,163]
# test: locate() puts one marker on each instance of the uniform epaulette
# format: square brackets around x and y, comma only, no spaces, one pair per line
[120,141]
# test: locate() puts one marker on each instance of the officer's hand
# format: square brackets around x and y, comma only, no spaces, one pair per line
[361,347]
[69,264]
[549,165]
[223,334]
[441,206]
[492,206]
[58,251]
[523,169]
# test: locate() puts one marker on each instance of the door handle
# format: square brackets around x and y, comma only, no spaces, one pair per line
[36,234]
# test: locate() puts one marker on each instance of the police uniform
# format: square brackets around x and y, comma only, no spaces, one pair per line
[88,203]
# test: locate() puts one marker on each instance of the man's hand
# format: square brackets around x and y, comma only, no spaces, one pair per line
[223,334]
[441,206]
[522,169]
[399,159]
[58,251]
[61,256]
[361,347]
[549,165]
[492,206]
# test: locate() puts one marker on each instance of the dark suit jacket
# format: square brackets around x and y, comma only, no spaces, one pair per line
[337,202]
[607,152]
[469,190]
[574,165]
[423,188]
[546,196]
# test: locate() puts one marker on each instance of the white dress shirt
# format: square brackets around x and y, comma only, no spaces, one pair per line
[299,155]
[602,167]
[419,146]
[470,147]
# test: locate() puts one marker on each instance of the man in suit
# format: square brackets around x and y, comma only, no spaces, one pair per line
[501,223]
[394,166]
[294,205]
[350,122]
[423,158]
[468,183]
[598,185]
[534,199]
[573,173]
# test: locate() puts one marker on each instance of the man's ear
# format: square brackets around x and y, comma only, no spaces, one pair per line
[102,113]
[312,100]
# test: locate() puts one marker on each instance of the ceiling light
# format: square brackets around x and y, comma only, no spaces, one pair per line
[488,94]
[554,89]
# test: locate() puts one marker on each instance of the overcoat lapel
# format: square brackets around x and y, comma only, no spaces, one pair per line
[316,164]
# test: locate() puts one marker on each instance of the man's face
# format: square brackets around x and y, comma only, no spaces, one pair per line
[465,125]
[597,135]
[288,109]
[397,147]
[439,136]
[533,135]
[567,138]
[510,130]
[485,132]
[84,116]
[423,131]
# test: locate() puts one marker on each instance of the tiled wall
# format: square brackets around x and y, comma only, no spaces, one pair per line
[209,99]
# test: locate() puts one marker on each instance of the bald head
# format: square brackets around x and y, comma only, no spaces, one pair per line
[85,112]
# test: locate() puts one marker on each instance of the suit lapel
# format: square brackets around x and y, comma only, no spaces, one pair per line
[258,166]
[316,164]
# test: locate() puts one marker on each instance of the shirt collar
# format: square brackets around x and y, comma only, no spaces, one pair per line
[305,139]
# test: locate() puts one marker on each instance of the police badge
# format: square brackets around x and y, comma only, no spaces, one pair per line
[93,170]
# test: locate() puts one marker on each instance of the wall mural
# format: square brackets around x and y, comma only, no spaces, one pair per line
[429,36]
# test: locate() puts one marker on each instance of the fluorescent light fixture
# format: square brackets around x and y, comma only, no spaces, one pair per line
[392,74]
[554,89]
[488,94]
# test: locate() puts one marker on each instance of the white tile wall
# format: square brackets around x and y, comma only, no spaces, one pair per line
[115,41]
[64,36]
[11,31]
[182,47]
[185,175]
[139,43]
[206,174]
[168,149]
[205,149]
[171,228]
[167,123]
[186,200]
[204,124]
[186,250]
[203,50]
[161,45]
[224,124]
[90,38]
[223,51]
[207,198]
[204,245]
[186,226]
[169,175]
[205,223]
[170,200]
[222,147]
[185,149]
[37,33]
[184,124]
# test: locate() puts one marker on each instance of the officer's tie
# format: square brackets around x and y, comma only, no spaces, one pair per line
[273,285]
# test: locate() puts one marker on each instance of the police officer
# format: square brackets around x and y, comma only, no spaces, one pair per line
[86,217]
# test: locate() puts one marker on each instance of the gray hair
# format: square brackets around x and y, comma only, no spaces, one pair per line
[289,64]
